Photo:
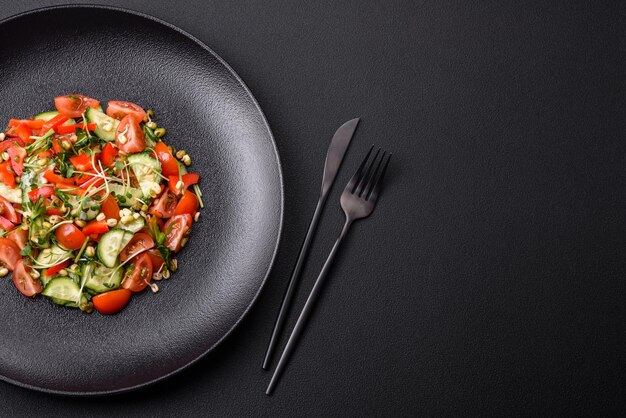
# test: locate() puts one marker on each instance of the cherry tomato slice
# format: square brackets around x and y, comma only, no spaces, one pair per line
[118,109]
[129,137]
[74,105]
[138,274]
[112,302]
[156,258]
[169,166]
[7,210]
[17,155]
[19,236]
[9,253]
[69,236]
[187,204]
[176,230]
[139,242]
[165,205]
[24,282]
[6,224]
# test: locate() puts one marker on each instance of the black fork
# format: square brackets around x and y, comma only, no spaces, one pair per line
[358,201]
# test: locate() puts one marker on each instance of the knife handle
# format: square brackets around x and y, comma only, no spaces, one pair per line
[293,282]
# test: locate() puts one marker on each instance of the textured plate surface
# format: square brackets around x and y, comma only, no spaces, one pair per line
[113,54]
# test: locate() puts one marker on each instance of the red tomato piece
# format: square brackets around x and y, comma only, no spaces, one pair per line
[54,211]
[55,269]
[176,230]
[69,236]
[16,156]
[156,258]
[139,242]
[74,105]
[138,274]
[6,224]
[187,204]
[112,302]
[118,109]
[169,166]
[23,280]
[7,210]
[165,205]
[129,137]
[19,236]
[9,253]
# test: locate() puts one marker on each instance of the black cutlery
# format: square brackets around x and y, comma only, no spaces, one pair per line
[334,157]
[357,201]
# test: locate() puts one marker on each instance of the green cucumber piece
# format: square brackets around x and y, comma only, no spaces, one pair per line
[126,196]
[111,244]
[12,195]
[100,279]
[63,291]
[135,226]
[105,125]
[147,170]
[54,256]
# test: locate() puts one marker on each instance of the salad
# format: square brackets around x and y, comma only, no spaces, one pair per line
[93,204]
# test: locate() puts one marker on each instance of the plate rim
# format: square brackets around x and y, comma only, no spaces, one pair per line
[281,214]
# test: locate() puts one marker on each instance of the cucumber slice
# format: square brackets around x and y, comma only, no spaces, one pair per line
[99,278]
[126,197]
[12,195]
[135,226]
[111,244]
[147,170]
[54,256]
[52,113]
[63,291]
[105,125]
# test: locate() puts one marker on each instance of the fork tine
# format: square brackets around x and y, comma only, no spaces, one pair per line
[357,176]
[360,188]
[373,195]
[371,180]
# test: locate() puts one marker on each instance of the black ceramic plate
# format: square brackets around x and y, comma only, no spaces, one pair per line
[113,54]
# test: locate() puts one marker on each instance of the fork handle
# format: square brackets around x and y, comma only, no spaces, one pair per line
[306,311]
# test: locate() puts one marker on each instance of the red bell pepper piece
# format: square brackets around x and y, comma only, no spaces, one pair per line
[108,154]
[44,191]
[187,179]
[32,124]
[52,177]
[7,175]
[54,122]
[95,227]
[68,129]
[55,269]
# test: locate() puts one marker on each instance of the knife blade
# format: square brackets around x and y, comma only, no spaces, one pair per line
[334,157]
